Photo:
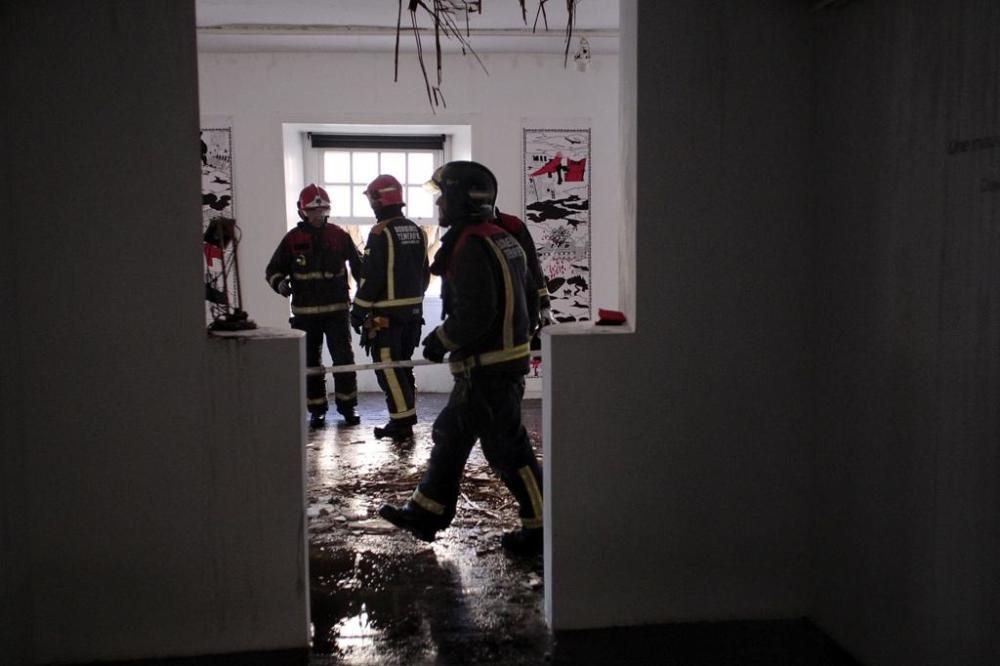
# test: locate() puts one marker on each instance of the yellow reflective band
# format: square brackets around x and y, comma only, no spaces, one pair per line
[318,309]
[413,300]
[390,283]
[534,492]
[490,358]
[316,275]
[427,503]
[508,310]
[275,278]
[445,340]
[344,397]
[395,390]
[543,292]
[531,523]
[403,415]
[316,401]
[362,302]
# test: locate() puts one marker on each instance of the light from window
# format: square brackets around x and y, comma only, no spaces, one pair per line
[337,166]
[346,174]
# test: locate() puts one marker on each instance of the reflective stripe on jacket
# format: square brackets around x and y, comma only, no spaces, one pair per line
[395,273]
[315,260]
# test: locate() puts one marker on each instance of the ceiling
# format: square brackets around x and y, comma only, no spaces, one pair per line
[370,25]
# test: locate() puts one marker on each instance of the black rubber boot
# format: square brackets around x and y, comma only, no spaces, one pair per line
[394,431]
[524,542]
[350,414]
[414,520]
[317,420]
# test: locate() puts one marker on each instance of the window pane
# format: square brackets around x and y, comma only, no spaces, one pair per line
[419,202]
[421,168]
[361,207]
[336,167]
[365,167]
[340,200]
[394,164]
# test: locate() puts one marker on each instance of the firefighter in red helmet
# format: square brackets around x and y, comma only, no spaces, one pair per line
[388,306]
[490,311]
[309,265]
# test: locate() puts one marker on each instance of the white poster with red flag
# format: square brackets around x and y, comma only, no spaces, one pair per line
[217,205]
[557,211]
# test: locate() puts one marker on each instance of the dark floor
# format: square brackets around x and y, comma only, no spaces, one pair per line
[381,597]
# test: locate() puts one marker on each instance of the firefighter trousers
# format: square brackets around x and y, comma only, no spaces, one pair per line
[335,327]
[488,407]
[396,343]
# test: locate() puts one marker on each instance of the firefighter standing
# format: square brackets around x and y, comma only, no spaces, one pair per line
[490,310]
[309,266]
[388,306]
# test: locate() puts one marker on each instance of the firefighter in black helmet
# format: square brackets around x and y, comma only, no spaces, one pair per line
[490,311]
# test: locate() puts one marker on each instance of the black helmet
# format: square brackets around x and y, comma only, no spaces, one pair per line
[469,190]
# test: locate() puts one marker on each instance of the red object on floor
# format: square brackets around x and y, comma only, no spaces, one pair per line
[610,317]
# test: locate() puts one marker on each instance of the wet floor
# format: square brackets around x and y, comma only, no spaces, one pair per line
[379,596]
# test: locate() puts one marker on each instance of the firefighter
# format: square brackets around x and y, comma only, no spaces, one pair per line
[490,310]
[516,227]
[309,265]
[388,306]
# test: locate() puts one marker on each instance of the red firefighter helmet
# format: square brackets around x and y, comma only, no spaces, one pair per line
[385,191]
[313,196]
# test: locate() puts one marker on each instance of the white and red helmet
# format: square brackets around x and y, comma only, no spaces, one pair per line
[384,191]
[313,196]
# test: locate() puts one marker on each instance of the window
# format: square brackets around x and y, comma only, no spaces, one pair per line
[344,164]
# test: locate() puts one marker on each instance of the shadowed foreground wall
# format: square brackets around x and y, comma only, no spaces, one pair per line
[677,457]
[141,520]
[907,529]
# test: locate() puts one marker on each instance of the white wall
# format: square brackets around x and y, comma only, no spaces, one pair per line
[677,461]
[148,521]
[261,92]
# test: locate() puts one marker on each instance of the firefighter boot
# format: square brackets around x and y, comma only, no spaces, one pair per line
[350,414]
[525,542]
[317,420]
[398,433]
[413,519]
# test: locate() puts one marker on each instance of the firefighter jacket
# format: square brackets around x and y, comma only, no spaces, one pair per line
[490,300]
[395,272]
[519,230]
[314,259]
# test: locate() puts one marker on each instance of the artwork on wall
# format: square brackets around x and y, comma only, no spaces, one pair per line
[216,174]
[220,233]
[557,211]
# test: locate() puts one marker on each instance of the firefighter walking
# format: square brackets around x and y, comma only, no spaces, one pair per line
[491,310]
[310,265]
[388,306]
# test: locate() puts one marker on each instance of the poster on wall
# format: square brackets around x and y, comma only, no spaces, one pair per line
[216,174]
[557,211]
[217,220]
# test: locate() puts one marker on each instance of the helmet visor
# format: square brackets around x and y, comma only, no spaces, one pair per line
[434,184]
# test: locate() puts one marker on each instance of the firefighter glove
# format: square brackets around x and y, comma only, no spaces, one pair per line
[358,321]
[285,287]
[545,317]
[433,348]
